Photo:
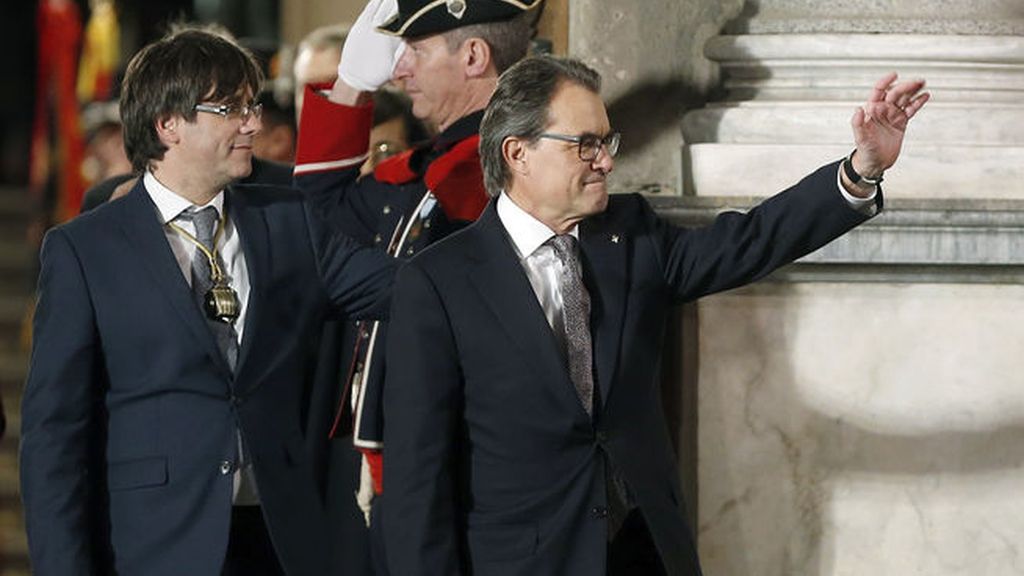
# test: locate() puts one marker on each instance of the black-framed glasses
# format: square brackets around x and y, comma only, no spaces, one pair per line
[589,144]
[243,111]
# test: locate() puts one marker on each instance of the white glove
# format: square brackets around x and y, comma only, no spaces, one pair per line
[369,57]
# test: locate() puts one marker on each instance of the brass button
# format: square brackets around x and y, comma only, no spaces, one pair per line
[387,210]
[226,467]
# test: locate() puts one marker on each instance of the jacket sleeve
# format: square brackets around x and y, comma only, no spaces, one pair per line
[739,248]
[422,396]
[357,279]
[333,143]
[60,411]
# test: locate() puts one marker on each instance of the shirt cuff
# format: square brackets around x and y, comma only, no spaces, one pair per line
[866,206]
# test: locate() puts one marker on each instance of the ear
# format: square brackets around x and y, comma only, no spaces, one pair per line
[477,57]
[515,152]
[167,129]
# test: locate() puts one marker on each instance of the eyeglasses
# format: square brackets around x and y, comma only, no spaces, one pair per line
[589,144]
[243,111]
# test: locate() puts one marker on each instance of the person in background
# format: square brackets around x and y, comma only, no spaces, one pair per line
[525,434]
[104,146]
[276,141]
[395,128]
[316,61]
[453,55]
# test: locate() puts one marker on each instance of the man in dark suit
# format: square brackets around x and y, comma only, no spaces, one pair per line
[165,409]
[525,433]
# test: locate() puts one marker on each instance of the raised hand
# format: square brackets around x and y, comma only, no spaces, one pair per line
[369,56]
[879,125]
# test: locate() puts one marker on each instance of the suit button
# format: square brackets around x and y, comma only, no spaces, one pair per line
[387,210]
[377,239]
[599,512]
[410,250]
[226,467]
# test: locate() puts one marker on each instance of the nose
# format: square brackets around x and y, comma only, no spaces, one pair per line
[251,125]
[403,68]
[603,162]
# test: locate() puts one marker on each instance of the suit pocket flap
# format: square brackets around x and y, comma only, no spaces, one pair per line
[138,473]
[502,542]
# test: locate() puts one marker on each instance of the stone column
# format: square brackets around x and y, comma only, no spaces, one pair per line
[861,412]
[793,72]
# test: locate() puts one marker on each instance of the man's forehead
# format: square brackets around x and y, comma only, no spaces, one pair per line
[578,107]
[243,94]
[427,39]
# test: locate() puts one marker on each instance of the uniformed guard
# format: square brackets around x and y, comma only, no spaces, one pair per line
[446,55]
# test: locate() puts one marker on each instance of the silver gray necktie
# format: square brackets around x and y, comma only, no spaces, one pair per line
[576,312]
[205,221]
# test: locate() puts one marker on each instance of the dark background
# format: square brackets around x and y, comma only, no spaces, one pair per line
[141,21]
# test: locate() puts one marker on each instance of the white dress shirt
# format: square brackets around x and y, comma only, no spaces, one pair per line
[539,261]
[169,206]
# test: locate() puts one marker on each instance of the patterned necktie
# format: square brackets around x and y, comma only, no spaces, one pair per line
[205,221]
[576,312]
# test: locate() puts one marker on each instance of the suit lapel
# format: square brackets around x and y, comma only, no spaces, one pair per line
[604,260]
[141,225]
[251,227]
[505,288]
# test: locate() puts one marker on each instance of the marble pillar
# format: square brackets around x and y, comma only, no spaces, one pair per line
[851,429]
[861,412]
[794,77]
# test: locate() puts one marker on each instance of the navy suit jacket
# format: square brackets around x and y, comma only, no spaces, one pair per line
[130,410]
[493,467]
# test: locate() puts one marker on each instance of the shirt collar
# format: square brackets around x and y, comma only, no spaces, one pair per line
[527,232]
[170,204]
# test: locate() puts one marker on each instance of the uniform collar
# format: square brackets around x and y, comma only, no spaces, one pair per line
[459,130]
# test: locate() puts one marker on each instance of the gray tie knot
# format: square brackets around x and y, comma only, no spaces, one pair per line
[564,246]
[205,221]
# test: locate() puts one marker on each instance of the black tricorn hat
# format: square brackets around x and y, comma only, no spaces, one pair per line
[417,18]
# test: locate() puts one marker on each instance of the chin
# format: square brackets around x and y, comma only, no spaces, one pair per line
[600,202]
[242,171]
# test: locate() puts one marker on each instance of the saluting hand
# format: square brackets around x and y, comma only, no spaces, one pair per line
[369,56]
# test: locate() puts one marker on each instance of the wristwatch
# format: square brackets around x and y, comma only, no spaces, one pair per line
[854,176]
